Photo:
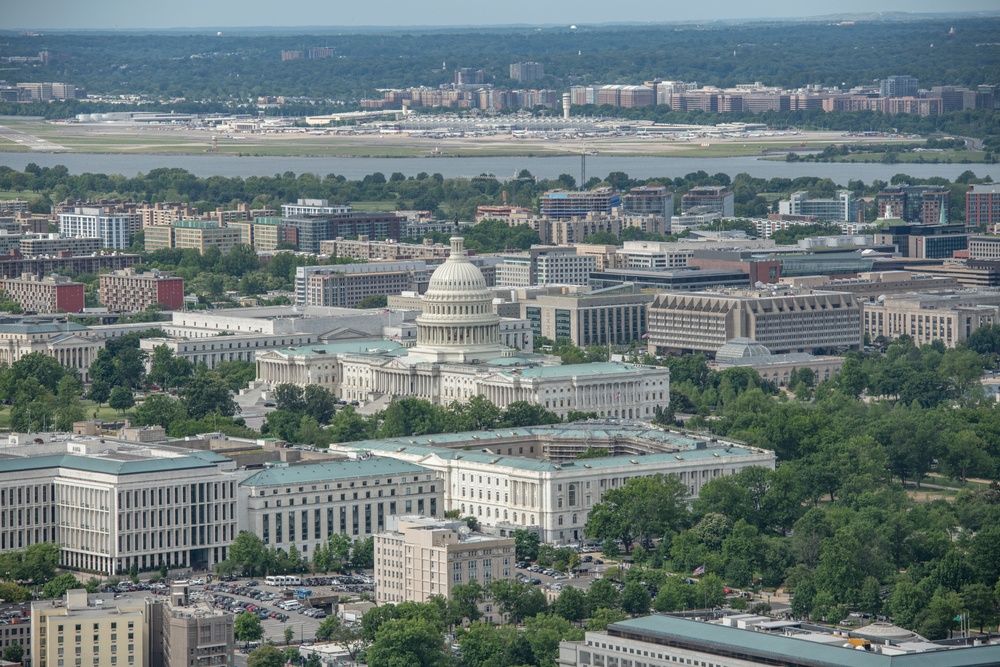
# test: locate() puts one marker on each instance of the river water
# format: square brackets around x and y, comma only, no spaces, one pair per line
[502,167]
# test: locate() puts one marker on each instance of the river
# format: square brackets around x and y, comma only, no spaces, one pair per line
[502,167]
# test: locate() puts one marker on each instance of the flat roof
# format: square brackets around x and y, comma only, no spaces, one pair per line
[331,471]
[781,649]
[109,466]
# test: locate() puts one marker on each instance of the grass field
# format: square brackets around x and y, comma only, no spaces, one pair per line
[104,412]
[946,157]
[373,206]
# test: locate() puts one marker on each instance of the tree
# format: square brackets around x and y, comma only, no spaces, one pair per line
[267,655]
[464,603]
[99,391]
[247,627]
[289,634]
[57,587]
[249,552]
[331,629]
[121,399]
[525,545]
[544,632]
[635,599]
[13,652]
[363,554]
[11,593]
[600,619]
[208,394]
[167,370]
[602,595]
[290,397]
[415,642]
[516,600]
[522,413]
[373,301]
[646,508]
[571,604]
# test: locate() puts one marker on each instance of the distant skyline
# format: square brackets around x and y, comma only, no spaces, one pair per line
[129,14]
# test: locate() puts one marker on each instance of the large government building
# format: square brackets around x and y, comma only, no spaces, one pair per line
[459,354]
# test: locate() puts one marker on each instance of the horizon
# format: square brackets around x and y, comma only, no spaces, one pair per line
[119,15]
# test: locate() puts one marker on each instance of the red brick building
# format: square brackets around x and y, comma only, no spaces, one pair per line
[982,205]
[129,291]
[50,294]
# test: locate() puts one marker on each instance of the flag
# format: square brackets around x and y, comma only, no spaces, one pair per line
[960,617]
[699,570]
[645,335]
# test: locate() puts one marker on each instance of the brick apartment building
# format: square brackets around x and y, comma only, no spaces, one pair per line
[49,294]
[128,291]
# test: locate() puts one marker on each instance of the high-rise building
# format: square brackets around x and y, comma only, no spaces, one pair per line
[44,294]
[128,291]
[545,265]
[312,229]
[569,204]
[347,284]
[925,241]
[782,320]
[600,317]
[844,207]
[927,204]
[650,200]
[982,205]
[191,633]
[899,86]
[197,235]
[718,198]
[419,558]
[114,228]
[469,76]
[526,72]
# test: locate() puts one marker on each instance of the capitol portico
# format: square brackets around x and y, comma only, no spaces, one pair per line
[458,355]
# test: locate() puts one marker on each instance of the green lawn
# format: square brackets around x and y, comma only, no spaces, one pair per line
[104,412]
[373,206]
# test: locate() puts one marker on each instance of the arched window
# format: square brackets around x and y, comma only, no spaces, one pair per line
[572,495]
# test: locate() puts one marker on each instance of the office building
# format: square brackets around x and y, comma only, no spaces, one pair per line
[17,264]
[843,207]
[949,318]
[197,235]
[982,206]
[655,255]
[11,206]
[420,557]
[984,247]
[669,279]
[49,294]
[114,505]
[458,355]
[559,204]
[94,630]
[261,234]
[914,203]
[312,229]
[53,244]
[526,72]
[305,503]
[129,291]
[650,200]
[304,207]
[782,319]
[365,249]
[899,86]
[530,479]
[614,315]
[723,639]
[925,241]
[545,265]
[715,199]
[191,633]
[346,285]
[114,228]
[870,285]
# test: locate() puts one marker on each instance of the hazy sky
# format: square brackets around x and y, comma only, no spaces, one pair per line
[161,14]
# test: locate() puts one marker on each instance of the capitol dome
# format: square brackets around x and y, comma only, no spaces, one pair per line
[458,324]
[740,348]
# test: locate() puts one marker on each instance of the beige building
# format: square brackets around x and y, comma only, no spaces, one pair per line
[51,244]
[776,368]
[84,630]
[422,557]
[613,315]
[576,229]
[72,344]
[366,249]
[984,247]
[260,233]
[199,235]
[783,320]
[873,284]
[950,318]
[545,265]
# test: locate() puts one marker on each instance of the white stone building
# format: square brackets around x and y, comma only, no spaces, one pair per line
[459,355]
[529,478]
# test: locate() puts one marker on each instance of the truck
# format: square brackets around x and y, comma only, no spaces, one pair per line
[303,593]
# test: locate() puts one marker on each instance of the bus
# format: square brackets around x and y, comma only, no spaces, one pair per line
[292,581]
[274,581]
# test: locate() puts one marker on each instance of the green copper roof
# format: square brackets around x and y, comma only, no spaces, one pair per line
[579,370]
[781,650]
[110,466]
[332,470]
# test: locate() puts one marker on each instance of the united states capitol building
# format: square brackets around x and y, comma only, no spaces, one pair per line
[458,354]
